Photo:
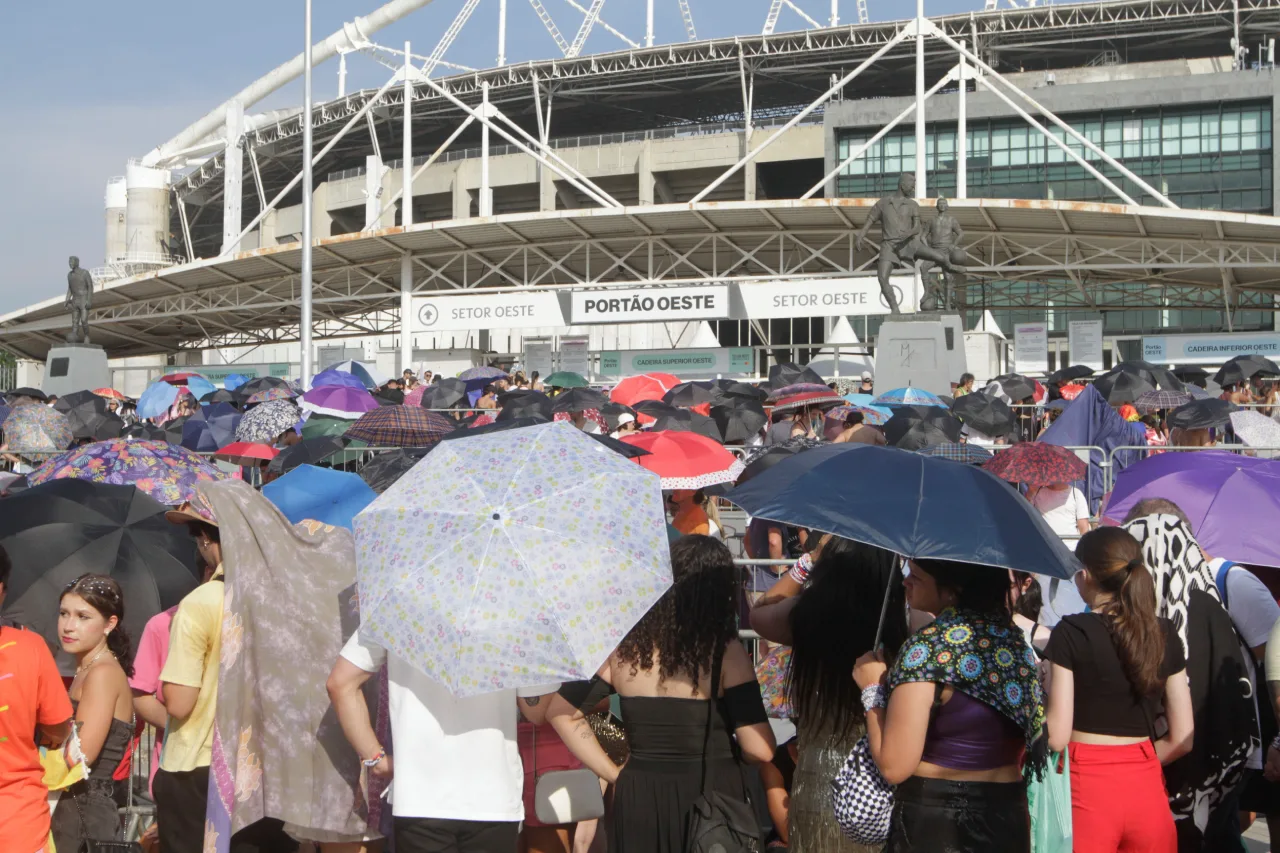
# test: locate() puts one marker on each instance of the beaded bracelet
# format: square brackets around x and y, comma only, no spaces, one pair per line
[373,762]
[874,697]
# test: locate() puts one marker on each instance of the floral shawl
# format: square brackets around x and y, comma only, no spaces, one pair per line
[989,662]
[278,750]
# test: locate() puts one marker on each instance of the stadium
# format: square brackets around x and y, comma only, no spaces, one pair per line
[1108,161]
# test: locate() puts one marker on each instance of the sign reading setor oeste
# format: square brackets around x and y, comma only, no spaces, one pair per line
[503,311]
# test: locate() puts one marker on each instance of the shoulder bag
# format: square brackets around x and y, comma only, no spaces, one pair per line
[719,823]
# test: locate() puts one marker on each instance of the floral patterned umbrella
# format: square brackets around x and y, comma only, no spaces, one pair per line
[267,395]
[264,423]
[1037,464]
[482,373]
[164,471]
[33,428]
[488,576]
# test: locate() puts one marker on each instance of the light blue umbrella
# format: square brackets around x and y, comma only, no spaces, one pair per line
[319,494]
[156,400]
[864,401]
[199,386]
[234,381]
[908,397]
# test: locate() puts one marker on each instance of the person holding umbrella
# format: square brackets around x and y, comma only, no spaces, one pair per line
[90,614]
[32,691]
[958,723]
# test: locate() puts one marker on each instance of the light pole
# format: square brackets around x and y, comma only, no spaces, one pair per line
[304,322]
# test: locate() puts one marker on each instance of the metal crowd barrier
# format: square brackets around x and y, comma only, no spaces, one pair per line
[1243,449]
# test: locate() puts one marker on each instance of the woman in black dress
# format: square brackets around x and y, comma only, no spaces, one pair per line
[662,671]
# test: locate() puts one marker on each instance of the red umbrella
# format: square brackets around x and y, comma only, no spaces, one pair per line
[1037,464]
[646,386]
[247,453]
[793,402]
[109,393]
[179,378]
[685,460]
[1070,392]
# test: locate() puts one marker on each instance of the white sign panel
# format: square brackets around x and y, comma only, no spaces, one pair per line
[489,311]
[649,305]
[538,355]
[1209,349]
[1031,347]
[1084,338]
[768,300]
[575,354]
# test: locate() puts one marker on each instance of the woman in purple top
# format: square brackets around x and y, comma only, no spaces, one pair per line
[964,721]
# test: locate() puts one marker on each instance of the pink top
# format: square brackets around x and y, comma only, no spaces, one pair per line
[149,660]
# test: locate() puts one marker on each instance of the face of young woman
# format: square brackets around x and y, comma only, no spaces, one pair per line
[922,590]
[81,627]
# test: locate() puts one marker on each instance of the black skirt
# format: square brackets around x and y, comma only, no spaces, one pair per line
[652,801]
[938,816]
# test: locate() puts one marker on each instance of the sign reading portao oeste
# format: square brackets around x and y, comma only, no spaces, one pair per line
[650,305]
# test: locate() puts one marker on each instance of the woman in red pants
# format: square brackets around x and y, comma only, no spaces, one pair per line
[1126,661]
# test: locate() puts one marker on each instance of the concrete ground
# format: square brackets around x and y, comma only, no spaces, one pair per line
[1257,839]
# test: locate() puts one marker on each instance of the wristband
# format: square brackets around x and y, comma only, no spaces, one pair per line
[874,697]
[1275,742]
[373,762]
[800,571]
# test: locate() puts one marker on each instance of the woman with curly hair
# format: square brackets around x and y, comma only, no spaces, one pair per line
[89,617]
[684,652]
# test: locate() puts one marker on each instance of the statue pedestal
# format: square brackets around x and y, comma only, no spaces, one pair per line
[75,367]
[924,350]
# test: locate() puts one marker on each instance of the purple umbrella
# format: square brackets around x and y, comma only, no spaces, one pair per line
[1233,501]
[338,401]
[489,373]
[337,377]
[164,471]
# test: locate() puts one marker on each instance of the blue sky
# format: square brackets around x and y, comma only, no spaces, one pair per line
[91,84]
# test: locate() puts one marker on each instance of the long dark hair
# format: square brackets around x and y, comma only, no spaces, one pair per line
[693,620]
[979,589]
[834,623]
[1114,560]
[103,594]
[1030,601]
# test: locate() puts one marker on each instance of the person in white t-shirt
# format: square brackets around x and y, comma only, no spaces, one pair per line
[1063,506]
[457,785]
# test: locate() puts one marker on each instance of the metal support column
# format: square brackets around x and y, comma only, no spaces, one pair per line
[232,178]
[486,192]
[921,162]
[502,33]
[835,21]
[962,133]
[406,311]
[304,321]
[648,28]
[406,170]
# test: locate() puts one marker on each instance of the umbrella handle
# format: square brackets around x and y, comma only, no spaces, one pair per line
[884,608]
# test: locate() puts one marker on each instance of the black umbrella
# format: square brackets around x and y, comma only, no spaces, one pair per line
[655,408]
[1242,368]
[686,420]
[1123,386]
[740,422]
[612,411]
[389,397]
[1016,386]
[785,373]
[1159,377]
[1202,414]
[1190,373]
[1074,371]
[628,450]
[496,426]
[578,400]
[30,393]
[525,404]
[173,427]
[87,413]
[309,451]
[448,393]
[148,432]
[918,427]
[62,529]
[988,415]
[744,391]
[382,471]
[759,460]
[688,394]
[222,395]
[259,383]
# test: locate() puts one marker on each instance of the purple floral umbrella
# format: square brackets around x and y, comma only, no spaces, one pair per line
[264,423]
[338,401]
[266,395]
[34,428]
[164,471]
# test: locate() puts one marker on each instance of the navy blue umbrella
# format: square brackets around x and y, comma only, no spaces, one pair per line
[914,505]
[213,429]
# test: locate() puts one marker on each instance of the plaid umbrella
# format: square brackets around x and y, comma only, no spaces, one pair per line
[969,454]
[265,422]
[400,426]
[1037,464]
[164,471]
[34,428]
[1154,401]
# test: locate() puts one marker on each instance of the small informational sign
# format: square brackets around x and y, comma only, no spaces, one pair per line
[539,355]
[486,311]
[684,363]
[650,305]
[575,354]
[1209,349]
[1084,338]
[217,374]
[1031,347]
[768,300]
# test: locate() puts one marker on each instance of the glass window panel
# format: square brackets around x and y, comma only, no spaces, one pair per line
[1190,126]
[999,158]
[1249,120]
[1248,142]
[1170,147]
[1230,142]
[1191,146]
[1230,122]
[1000,138]
[1132,130]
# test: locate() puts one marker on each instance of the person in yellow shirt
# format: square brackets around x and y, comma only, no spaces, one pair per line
[189,683]
[687,514]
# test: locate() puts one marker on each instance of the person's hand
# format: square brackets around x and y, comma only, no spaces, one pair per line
[1272,768]
[817,549]
[857,243]
[383,769]
[869,669]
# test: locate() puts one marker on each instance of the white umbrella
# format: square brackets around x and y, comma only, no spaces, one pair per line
[511,559]
[1255,429]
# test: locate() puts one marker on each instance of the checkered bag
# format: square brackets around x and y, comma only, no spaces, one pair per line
[862,799]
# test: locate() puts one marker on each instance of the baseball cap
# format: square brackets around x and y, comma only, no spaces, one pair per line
[626,418]
[866,376]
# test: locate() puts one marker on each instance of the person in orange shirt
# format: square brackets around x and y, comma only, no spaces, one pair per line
[687,514]
[32,700]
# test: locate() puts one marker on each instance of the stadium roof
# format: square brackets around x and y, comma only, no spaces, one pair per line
[1085,254]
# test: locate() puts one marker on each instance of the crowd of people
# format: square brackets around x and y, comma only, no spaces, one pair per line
[1156,705]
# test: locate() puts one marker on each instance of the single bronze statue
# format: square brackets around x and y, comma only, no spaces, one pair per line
[79,300]
[945,235]
[903,242]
